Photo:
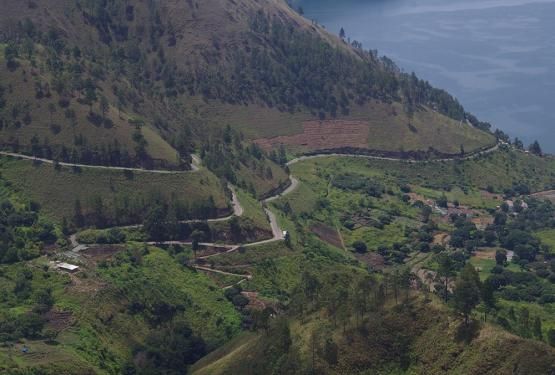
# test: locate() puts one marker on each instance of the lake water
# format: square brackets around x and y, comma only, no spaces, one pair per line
[496,56]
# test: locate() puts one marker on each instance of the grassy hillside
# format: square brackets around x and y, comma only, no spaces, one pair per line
[499,170]
[418,338]
[107,313]
[85,75]
[125,197]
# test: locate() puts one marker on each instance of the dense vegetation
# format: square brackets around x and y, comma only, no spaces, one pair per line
[24,234]
[385,266]
[123,86]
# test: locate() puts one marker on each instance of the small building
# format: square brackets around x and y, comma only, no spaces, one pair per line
[71,268]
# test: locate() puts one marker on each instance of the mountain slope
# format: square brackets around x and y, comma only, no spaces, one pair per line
[127,83]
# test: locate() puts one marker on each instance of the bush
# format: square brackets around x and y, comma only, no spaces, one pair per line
[240,301]
[360,247]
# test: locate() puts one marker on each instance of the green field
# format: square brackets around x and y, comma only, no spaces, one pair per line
[57,190]
[499,170]
[547,237]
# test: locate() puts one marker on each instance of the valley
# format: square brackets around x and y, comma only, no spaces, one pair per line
[225,187]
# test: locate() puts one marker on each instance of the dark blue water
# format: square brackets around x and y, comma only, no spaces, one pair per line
[496,56]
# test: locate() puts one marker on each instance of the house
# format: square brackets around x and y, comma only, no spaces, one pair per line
[71,268]
[510,204]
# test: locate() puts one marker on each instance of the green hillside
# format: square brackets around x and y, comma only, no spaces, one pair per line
[142,83]
[157,215]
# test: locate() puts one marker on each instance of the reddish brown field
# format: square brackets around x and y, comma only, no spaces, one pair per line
[58,320]
[327,234]
[375,260]
[319,135]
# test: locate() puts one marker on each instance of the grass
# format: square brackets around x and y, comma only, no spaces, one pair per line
[261,185]
[57,191]
[159,276]
[484,266]
[104,332]
[545,312]
[253,210]
[389,129]
[22,86]
[547,237]
[217,361]
[499,170]
[471,198]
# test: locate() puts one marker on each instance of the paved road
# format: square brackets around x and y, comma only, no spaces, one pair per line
[277,233]
[194,166]
[290,188]
[467,157]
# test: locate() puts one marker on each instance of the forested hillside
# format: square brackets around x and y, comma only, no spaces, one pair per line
[172,201]
[146,83]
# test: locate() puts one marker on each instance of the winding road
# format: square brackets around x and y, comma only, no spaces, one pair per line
[277,233]
[466,157]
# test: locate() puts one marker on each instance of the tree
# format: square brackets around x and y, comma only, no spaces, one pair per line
[551,337]
[466,295]
[104,106]
[287,239]
[538,328]
[360,247]
[442,201]
[235,229]
[488,297]
[445,271]
[51,110]
[78,218]
[518,144]
[171,348]
[195,237]
[154,223]
[501,257]
[90,94]
[342,33]
[311,286]
[535,148]
[240,301]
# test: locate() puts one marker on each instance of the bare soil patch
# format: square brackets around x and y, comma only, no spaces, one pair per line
[255,303]
[328,134]
[549,194]
[441,239]
[327,234]
[207,251]
[99,253]
[58,320]
[485,254]
[375,260]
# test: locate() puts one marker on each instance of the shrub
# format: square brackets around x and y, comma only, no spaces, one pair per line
[360,247]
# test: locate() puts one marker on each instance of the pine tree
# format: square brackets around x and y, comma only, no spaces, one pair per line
[538,328]
[535,148]
[78,218]
[467,291]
